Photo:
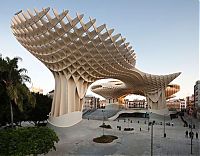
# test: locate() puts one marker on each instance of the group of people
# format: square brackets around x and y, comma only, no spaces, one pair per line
[191,134]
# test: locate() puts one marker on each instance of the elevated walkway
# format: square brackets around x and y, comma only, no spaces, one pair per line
[113,111]
[99,115]
[129,111]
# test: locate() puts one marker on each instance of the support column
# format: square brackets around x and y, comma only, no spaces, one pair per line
[77,101]
[67,101]
[57,95]
[71,90]
[63,108]
[157,102]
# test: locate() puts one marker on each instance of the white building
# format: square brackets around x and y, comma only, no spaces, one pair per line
[182,104]
[136,103]
[91,102]
[176,104]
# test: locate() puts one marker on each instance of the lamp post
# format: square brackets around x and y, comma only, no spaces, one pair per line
[148,123]
[128,122]
[191,135]
[164,127]
[103,122]
[152,123]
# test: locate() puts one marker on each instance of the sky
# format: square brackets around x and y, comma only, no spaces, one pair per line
[163,33]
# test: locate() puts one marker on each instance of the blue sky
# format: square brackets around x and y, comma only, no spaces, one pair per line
[164,34]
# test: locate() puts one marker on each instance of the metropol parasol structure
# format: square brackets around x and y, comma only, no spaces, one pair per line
[78,53]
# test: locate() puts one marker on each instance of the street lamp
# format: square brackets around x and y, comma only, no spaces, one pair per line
[191,136]
[152,123]
[191,133]
[103,122]
[164,127]
[148,121]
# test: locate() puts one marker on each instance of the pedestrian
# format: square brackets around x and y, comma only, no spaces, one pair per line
[196,135]
[138,121]
[186,134]
[194,126]
[140,129]
[190,134]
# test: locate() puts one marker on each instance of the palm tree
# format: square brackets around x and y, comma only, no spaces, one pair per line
[14,80]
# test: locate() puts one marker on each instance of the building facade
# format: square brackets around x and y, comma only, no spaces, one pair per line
[136,104]
[182,104]
[197,94]
[176,104]
[91,102]
[190,102]
[197,98]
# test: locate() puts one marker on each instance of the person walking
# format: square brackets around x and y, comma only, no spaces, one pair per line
[186,134]
[196,135]
[190,134]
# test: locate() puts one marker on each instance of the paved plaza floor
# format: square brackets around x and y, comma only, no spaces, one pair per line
[78,139]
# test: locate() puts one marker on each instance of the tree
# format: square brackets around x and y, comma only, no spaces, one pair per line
[41,110]
[4,105]
[14,80]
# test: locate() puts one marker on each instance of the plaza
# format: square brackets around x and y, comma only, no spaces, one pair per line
[78,139]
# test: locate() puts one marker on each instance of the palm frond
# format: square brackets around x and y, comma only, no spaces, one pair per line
[14,79]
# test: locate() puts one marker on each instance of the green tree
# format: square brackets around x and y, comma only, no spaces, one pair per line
[14,80]
[4,105]
[41,110]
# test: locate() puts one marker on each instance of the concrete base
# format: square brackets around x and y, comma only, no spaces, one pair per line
[66,120]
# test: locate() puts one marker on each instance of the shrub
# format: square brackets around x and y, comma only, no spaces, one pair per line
[26,141]
[105,139]
[105,126]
